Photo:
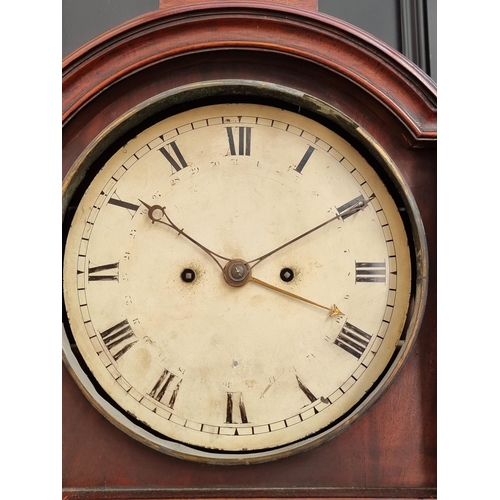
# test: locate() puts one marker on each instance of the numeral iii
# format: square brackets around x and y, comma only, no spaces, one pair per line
[370,272]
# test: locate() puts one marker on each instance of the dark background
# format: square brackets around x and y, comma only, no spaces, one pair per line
[409,26]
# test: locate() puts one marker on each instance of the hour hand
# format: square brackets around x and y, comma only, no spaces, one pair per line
[156,213]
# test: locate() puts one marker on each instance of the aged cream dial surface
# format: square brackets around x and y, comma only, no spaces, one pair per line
[236,277]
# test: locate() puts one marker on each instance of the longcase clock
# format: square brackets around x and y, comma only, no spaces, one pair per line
[249,238]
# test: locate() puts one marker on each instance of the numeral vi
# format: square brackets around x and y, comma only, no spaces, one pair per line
[235,409]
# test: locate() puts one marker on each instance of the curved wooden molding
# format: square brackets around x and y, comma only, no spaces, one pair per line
[380,71]
[304,4]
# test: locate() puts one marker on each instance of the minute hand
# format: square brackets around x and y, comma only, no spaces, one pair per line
[360,205]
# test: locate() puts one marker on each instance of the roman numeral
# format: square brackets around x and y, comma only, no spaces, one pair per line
[106,272]
[370,272]
[352,340]
[173,155]
[305,159]
[244,141]
[167,387]
[117,339]
[124,204]
[310,396]
[235,409]
[351,207]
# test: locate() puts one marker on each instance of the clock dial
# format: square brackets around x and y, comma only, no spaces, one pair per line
[237,277]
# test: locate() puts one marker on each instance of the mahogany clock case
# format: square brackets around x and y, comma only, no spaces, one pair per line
[104,81]
[206,94]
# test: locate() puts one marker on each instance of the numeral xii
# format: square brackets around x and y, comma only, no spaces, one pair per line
[244,141]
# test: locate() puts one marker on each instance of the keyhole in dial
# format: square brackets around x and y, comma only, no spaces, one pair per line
[287,274]
[188,275]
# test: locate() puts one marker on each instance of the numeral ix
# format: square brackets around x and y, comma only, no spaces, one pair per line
[106,272]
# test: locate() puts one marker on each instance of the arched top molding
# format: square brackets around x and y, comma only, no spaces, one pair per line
[157,37]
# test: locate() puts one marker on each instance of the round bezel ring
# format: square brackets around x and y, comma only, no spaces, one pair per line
[194,95]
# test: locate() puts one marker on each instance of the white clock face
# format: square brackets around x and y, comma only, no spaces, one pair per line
[316,317]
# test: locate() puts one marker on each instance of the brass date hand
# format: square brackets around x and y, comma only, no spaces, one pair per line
[334,310]
[238,273]
[360,205]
